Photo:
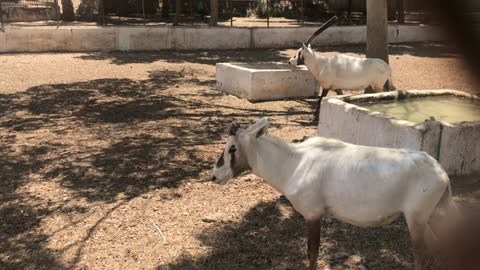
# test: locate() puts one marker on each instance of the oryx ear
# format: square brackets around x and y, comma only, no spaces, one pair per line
[259,128]
[305,46]
[309,46]
[234,127]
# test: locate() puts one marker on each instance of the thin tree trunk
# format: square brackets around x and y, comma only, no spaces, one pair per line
[67,10]
[165,9]
[213,12]
[101,13]
[401,11]
[178,11]
[122,7]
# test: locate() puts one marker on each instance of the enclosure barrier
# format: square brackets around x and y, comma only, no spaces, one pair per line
[71,39]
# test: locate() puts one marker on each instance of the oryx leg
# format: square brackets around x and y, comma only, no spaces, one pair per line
[369,90]
[313,235]
[338,92]
[417,227]
[317,111]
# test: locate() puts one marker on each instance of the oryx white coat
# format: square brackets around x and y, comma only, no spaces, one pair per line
[360,185]
[345,72]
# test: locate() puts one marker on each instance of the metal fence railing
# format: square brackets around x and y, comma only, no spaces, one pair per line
[27,3]
[240,13]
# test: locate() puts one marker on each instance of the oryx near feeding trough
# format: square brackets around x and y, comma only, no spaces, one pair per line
[342,72]
[359,185]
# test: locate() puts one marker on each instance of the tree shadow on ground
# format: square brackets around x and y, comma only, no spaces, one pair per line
[211,57]
[267,238]
[105,141]
[23,247]
[422,49]
[96,110]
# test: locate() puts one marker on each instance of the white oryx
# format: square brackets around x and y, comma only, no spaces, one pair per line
[344,72]
[360,185]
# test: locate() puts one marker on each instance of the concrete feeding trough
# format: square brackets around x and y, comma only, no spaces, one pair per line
[265,81]
[375,120]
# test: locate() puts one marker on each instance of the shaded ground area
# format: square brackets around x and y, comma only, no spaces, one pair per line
[100,152]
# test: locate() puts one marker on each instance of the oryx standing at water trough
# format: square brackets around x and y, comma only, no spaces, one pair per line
[360,185]
[342,72]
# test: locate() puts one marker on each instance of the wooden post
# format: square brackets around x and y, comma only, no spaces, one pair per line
[231,13]
[1,15]
[165,9]
[268,14]
[190,3]
[101,13]
[144,14]
[302,9]
[377,31]
[401,11]
[57,13]
[213,12]
[178,11]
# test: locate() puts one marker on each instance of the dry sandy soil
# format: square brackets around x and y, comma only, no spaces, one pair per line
[100,152]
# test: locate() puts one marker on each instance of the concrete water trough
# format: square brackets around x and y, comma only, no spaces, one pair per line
[443,123]
[265,81]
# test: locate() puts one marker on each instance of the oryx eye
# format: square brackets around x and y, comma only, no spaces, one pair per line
[232,149]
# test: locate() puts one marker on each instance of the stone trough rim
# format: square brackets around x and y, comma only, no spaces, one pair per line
[287,69]
[347,102]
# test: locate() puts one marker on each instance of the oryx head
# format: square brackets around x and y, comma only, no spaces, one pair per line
[299,58]
[233,160]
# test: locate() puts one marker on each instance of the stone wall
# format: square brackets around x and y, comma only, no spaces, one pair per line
[140,38]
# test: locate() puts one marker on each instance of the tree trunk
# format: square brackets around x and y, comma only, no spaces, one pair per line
[67,10]
[101,13]
[122,7]
[401,11]
[151,6]
[377,32]
[213,12]
[165,9]
[178,11]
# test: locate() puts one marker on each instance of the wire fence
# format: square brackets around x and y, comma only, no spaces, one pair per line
[27,3]
[240,13]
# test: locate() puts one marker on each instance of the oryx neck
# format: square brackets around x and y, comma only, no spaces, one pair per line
[274,160]
[314,61]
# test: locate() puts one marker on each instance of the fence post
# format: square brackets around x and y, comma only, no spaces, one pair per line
[231,13]
[57,13]
[302,8]
[400,12]
[1,14]
[101,12]
[178,11]
[268,14]
[191,10]
[143,11]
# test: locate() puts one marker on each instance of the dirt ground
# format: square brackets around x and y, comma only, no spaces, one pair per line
[103,158]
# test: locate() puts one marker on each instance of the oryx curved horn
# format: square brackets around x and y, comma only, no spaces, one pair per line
[322,28]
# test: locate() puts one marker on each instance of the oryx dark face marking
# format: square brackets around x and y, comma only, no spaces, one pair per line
[239,147]
[298,59]
[232,162]
[220,161]
[237,170]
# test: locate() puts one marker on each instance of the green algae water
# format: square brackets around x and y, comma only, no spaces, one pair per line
[442,108]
